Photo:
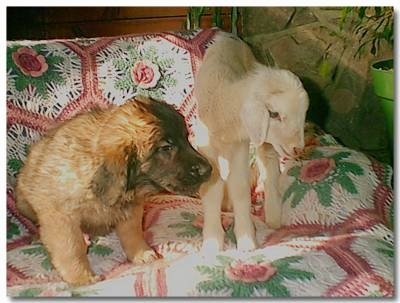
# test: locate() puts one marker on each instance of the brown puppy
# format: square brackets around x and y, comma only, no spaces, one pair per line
[91,173]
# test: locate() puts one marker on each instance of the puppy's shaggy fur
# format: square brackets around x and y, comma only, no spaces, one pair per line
[241,100]
[91,173]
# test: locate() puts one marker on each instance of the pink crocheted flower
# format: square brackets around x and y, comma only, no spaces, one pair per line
[145,74]
[30,62]
[316,170]
[249,272]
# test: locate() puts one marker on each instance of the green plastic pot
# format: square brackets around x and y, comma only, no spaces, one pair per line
[382,78]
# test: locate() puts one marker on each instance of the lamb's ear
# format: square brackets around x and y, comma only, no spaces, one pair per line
[113,178]
[255,119]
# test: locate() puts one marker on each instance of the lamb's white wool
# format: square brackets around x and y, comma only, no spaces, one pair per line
[274,78]
[241,100]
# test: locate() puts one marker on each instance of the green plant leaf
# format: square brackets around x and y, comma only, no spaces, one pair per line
[234,20]
[324,68]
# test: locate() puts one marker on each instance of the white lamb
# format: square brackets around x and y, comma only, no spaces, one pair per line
[242,101]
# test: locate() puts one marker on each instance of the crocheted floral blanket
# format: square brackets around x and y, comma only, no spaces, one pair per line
[337,233]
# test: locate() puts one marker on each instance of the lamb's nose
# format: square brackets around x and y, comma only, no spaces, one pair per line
[297,151]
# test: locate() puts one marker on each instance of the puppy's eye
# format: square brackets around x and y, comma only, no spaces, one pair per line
[166,146]
[274,115]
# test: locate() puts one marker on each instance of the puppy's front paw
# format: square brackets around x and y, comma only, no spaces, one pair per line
[143,254]
[84,279]
[146,256]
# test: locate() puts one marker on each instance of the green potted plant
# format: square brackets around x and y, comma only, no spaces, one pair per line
[374,27]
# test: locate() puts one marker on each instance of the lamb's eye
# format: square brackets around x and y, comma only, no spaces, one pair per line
[274,115]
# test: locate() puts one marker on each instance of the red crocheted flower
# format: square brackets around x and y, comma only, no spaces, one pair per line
[30,62]
[316,170]
[249,272]
[145,74]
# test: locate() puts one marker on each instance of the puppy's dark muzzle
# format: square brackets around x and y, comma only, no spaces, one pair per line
[200,171]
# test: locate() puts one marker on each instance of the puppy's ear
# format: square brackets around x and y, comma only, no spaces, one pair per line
[113,178]
[131,172]
[255,119]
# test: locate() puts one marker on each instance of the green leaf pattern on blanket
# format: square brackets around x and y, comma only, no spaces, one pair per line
[14,165]
[192,226]
[12,230]
[243,278]
[319,175]
[33,66]
[189,227]
[386,249]
[100,250]
[30,292]
[39,250]
[391,214]
[145,70]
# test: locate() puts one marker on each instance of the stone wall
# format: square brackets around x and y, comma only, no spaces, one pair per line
[309,41]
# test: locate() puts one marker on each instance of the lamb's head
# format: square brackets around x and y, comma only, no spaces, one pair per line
[275,110]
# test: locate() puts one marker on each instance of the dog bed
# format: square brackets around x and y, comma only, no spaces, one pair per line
[337,234]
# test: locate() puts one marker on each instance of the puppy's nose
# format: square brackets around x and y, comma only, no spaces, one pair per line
[201,170]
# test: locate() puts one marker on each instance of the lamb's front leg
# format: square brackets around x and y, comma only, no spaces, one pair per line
[211,194]
[238,185]
[268,163]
